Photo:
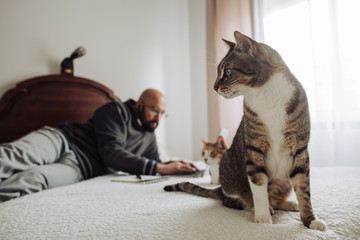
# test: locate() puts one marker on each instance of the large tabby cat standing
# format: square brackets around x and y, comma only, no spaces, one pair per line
[269,153]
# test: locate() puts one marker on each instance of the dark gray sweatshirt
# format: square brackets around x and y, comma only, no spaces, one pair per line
[113,139]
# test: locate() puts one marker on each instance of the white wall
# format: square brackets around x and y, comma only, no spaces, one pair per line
[131,45]
[199,99]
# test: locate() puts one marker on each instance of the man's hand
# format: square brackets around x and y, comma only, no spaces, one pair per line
[175,167]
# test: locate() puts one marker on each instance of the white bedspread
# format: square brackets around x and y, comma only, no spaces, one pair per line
[100,209]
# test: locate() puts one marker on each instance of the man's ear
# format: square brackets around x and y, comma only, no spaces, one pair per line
[139,104]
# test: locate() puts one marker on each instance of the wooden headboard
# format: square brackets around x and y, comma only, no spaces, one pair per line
[49,100]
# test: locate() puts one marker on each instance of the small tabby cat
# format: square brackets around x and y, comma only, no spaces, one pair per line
[269,153]
[212,154]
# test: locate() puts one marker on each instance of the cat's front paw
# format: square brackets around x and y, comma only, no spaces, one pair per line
[318,225]
[263,219]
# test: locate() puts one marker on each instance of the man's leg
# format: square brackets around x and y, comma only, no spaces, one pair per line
[40,147]
[22,183]
[40,160]
[39,178]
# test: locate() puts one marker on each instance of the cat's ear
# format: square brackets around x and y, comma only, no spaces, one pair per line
[244,43]
[205,142]
[230,44]
[221,142]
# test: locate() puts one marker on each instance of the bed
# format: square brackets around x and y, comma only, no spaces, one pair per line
[103,208]
[49,100]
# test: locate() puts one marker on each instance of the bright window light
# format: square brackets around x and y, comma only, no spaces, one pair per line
[319,41]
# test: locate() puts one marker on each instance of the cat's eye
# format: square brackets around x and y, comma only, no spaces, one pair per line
[202,153]
[213,154]
[227,71]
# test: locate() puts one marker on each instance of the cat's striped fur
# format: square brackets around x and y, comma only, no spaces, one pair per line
[269,154]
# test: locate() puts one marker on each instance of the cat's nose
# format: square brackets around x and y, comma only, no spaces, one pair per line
[205,160]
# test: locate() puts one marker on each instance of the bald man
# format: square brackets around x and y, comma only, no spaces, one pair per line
[118,137]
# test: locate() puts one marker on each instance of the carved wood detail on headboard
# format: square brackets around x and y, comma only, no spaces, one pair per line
[49,100]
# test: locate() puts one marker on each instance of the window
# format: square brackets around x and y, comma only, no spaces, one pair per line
[320,42]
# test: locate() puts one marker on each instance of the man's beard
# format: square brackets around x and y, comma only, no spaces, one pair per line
[146,125]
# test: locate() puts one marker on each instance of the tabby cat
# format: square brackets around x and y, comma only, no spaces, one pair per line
[212,154]
[269,153]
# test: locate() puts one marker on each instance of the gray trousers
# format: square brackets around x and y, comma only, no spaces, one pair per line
[40,160]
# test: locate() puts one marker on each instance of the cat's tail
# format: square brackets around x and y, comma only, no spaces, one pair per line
[216,193]
[191,188]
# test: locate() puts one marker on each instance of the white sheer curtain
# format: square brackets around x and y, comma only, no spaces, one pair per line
[320,42]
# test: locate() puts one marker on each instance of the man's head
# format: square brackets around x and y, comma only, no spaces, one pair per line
[151,107]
